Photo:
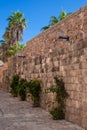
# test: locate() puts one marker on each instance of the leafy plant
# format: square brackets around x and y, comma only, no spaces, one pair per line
[54,20]
[61,95]
[34,89]
[14,85]
[58,113]
[14,30]
[22,89]
[15,49]
[18,87]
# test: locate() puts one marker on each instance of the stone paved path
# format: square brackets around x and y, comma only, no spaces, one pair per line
[18,115]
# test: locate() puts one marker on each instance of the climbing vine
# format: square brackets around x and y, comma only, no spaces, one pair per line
[61,95]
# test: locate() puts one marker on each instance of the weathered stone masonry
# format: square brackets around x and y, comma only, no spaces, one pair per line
[2,70]
[47,56]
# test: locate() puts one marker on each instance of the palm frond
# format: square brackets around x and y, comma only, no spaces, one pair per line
[53,20]
[62,15]
[44,28]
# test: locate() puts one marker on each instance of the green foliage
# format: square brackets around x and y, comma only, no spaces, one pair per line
[63,15]
[14,30]
[18,87]
[44,28]
[15,49]
[12,36]
[6,51]
[57,113]
[61,95]
[14,85]
[22,89]
[3,50]
[34,89]
[59,89]
[53,20]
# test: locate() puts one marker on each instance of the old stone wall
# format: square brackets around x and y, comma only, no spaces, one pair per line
[2,69]
[47,56]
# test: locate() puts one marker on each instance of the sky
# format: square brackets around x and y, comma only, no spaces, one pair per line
[37,13]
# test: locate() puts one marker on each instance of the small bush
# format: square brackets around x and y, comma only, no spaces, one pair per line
[58,113]
[34,89]
[22,89]
[18,87]
[14,85]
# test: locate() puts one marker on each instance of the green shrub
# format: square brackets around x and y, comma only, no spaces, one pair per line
[22,89]
[34,89]
[14,85]
[18,87]
[58,113]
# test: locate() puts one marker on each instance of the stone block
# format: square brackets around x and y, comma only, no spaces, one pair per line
[85,80]
[84,65]
[84,97]
[84,123]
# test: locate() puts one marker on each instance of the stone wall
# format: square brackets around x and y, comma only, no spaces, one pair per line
[47,56]
[3,68]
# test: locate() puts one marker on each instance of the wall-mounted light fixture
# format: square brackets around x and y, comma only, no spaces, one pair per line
[62,36]
[20,55]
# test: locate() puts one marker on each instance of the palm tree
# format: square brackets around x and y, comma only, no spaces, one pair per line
[3,50]
[7,36]
[15,49]
[16,25]
[54,20]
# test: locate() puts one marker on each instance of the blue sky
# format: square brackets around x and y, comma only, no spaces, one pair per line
[37,12]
